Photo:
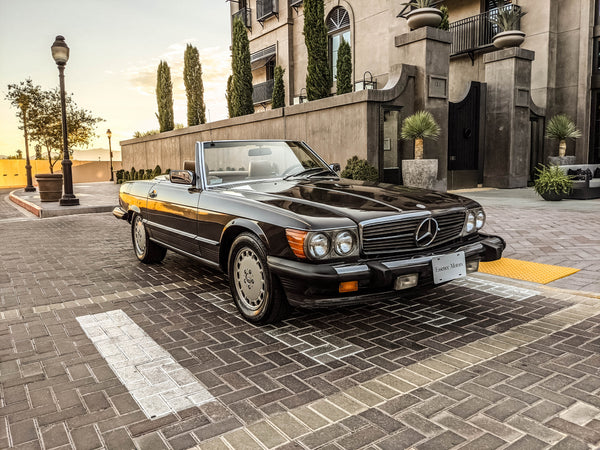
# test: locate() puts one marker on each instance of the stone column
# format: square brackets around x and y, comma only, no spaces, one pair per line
[429,50]
[507,126]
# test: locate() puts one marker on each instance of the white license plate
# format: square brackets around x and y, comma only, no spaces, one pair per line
[448,267]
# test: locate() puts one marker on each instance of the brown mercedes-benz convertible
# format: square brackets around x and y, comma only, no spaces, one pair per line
[289,231]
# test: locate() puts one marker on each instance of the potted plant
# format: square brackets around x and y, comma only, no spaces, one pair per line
[423,14]
[49,186]
[420,172]
[507,20]
[561,128]
[552,183]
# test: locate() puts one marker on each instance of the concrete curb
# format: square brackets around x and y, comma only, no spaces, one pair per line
[44,213]
[31,207]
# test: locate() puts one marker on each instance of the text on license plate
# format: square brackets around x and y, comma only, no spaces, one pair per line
[448,267]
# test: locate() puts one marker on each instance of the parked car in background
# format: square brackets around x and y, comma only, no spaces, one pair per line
[288,231]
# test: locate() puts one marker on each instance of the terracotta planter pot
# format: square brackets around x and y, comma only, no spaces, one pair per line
[424,17]
[506,39]
[50,186]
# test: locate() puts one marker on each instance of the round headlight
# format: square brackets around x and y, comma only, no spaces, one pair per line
[344,243]
[479,219]
[318,245]
[470,222]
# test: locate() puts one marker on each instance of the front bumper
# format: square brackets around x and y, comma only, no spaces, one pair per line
[316,285]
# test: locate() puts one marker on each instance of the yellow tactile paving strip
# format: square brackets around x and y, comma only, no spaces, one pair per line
[525,270]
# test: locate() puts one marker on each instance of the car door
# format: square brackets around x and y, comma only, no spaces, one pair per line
[173,215]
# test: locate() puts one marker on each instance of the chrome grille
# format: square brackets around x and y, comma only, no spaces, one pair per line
[398,235]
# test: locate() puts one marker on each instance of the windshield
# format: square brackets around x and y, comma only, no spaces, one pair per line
[239,161]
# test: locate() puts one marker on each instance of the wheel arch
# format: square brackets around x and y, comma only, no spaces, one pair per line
[231,231]
[132,211]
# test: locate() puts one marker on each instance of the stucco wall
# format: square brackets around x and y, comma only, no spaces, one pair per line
[337,128]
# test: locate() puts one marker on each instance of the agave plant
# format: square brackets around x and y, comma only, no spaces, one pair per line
[421,125]
[507,18]
[416,4]
[561,127]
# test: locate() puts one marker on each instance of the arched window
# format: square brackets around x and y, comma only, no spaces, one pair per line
[338,26]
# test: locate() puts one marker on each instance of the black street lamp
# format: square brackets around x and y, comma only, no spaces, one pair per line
[109,134]
[60,53]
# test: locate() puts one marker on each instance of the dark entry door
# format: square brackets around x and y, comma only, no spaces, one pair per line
[537,144]
[465,139]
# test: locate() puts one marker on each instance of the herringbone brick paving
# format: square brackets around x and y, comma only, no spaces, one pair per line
[325,379]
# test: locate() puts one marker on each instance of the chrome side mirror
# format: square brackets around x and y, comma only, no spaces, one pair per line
[336,167]
[182,177]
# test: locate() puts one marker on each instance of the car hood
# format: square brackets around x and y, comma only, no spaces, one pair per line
[356,200]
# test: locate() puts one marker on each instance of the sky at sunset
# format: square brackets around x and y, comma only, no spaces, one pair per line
[115,47]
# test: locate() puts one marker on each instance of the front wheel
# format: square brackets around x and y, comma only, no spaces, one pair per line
[146,251]
[258,296]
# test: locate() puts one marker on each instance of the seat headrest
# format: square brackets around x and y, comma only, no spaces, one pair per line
[189,165]
[260,168]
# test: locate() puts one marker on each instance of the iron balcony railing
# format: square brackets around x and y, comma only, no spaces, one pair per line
[263,92]
[476,32]
[266,9]
[244,14]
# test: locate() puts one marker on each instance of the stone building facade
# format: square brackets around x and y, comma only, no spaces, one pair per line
[563,34]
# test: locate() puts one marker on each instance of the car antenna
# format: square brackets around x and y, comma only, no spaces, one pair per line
[212,144]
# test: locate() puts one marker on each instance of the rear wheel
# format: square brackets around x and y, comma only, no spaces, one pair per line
[257,294]
[146,251]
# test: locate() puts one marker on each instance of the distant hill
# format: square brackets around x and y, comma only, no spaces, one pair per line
[93,154]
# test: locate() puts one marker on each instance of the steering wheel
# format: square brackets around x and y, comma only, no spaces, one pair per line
[293,169]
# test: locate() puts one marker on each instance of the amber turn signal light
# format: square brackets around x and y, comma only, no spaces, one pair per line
[296,240]
[348,286]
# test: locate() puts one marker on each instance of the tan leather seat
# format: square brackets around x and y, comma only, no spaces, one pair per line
[189,165]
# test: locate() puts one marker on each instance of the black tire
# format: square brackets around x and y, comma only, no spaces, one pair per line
[257,294]
[145,250]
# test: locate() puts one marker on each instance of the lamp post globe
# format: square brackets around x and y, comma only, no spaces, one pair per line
[60,53]
[109,135]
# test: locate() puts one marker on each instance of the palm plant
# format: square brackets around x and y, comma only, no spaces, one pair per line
[561,127]
[421,125]
[507,18]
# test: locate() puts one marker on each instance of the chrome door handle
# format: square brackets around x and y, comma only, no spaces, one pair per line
[152,194]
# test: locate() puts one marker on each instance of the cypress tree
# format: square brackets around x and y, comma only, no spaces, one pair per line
[318,77]
[241,85]
[344,69]
[278,88]
[194,88]
[229,96]
[164,97]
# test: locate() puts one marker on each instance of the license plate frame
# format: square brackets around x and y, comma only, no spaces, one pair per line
[448,267]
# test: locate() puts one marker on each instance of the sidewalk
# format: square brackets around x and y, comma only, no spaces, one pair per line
[93,198]
[563,233]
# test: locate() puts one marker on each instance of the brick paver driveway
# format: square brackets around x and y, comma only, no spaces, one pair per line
[474,364]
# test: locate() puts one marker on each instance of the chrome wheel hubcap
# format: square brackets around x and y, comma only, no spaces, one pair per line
[139,236]
[249,279]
